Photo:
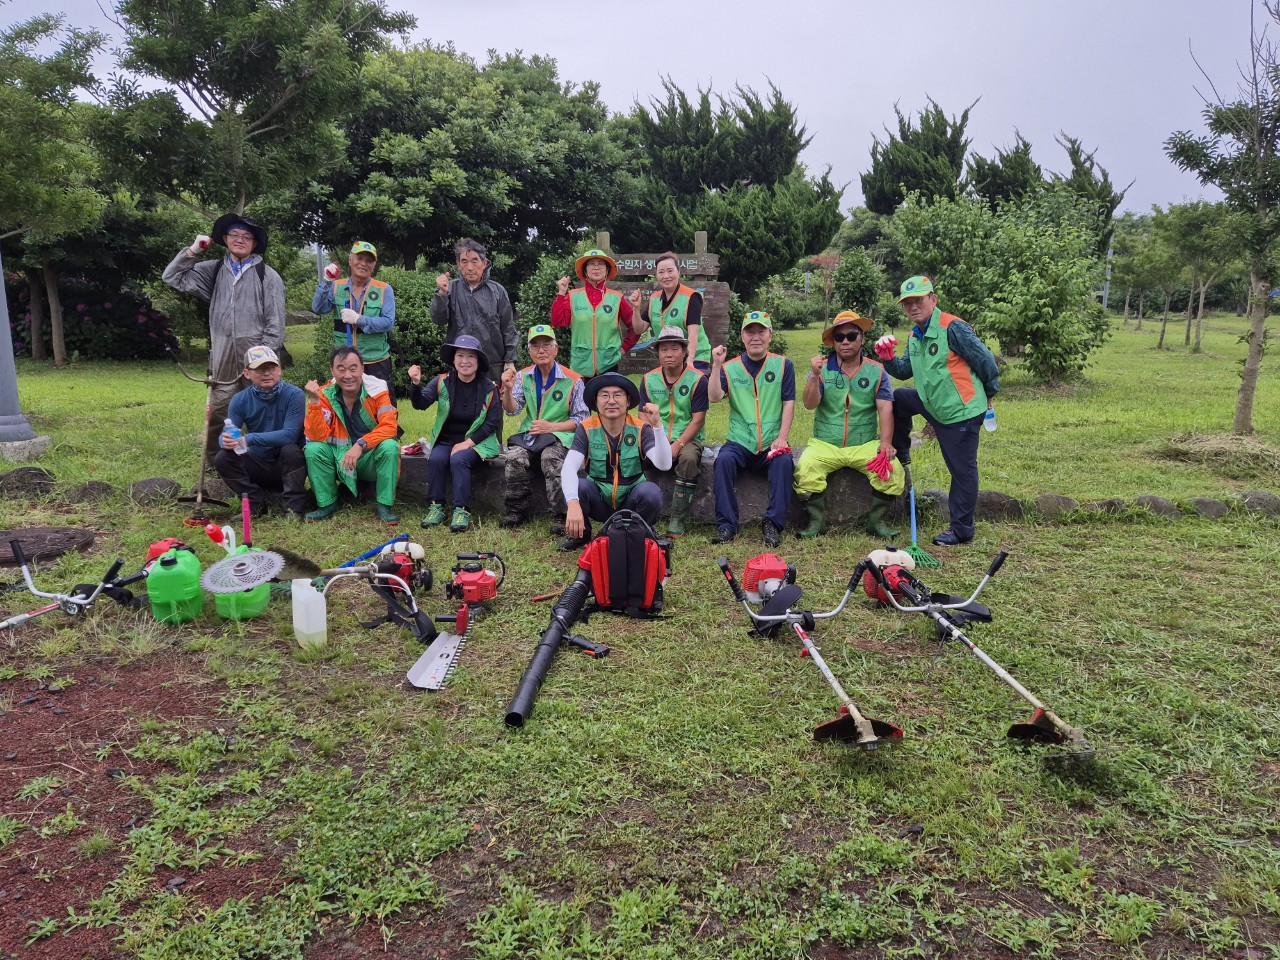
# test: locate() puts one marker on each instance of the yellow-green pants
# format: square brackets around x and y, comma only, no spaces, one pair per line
[820,459]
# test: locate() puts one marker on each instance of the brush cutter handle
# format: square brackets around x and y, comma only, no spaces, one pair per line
[132,578]
[15,547]
[997,563]
[738,593]
[111,573]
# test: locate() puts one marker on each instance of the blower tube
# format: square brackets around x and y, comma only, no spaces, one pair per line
[563,616]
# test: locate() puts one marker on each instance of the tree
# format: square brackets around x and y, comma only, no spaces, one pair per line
[1162,264]
[1207,238]
[927,159]
[1092,184]
[858,283]
[1008,175]
[250,92]
[1132,233]
[1240,156]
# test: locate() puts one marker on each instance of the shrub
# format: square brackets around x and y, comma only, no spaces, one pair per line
[858,284]
[783,296]
[98,323]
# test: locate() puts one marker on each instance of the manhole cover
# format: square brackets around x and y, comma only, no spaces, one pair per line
[43,543]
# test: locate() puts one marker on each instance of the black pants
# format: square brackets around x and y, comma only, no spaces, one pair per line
[959,445]
[251,477]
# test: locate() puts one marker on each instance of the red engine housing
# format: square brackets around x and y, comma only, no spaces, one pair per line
[768,570]
[893,575]
[472,583]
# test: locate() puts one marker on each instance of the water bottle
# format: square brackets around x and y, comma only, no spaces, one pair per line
[231,430]
[989,421]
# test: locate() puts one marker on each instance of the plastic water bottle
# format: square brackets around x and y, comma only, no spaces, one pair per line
[231,430]
[989,421]
[310,616]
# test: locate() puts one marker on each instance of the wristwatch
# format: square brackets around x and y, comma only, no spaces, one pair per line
[363,443]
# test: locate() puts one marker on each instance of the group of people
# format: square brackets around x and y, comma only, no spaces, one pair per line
[597,437]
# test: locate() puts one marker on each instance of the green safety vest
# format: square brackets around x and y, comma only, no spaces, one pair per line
[488,449]
[755,412]
[372,346]
[675,316]
[555,399]
[948,389]
[614,478]
[596,338]
[846,416]
[675,402]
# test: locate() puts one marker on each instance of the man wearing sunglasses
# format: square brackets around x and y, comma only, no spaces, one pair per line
[956,381]
[852,402]
[246,305]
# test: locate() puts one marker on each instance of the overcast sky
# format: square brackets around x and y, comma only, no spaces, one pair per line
[1118,74]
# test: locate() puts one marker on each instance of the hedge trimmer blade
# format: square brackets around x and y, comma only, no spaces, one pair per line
[241,572]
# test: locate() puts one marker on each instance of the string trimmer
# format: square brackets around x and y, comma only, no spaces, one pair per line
[772,580]
[886,583]
[84,595]
[199,516]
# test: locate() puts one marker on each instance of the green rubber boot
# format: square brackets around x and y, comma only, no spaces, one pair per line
[816,506]
[681,501]
[876,517]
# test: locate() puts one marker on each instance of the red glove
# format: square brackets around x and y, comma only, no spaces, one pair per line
[880,465]
[885,347]
[332,272]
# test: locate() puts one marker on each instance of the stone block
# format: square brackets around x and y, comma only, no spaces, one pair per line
[1160,505]
[91,492]
[1054,505]
[1261,501]
[1113,505]
[1208,507]
[997,506]
[155,490]
[16,451]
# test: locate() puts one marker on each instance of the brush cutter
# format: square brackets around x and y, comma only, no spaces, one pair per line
[199,517]
[84,595]
[772,580]
[918,553]
[887,583]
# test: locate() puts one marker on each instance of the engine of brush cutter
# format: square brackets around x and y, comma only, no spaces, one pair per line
[404,559]
[764,575]
[896,565]
[472,581]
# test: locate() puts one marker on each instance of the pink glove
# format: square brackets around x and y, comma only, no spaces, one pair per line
[885,346]
[350,317]
[777,453]
[332,272]
[880,466]
[200,245]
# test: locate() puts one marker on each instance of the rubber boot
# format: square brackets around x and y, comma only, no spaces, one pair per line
[877,524]
[681,502]
[816,506]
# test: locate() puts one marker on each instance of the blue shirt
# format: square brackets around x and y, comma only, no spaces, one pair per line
[269,422]
[323,302]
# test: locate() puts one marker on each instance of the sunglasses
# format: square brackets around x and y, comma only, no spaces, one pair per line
[846,337]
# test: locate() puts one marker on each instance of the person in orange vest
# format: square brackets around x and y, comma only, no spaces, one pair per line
[363,310]
[956,383]
[601,321]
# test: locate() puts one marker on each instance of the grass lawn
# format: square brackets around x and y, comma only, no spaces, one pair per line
[211,791]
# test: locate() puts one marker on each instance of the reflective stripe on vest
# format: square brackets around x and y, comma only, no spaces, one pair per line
[755,403]
[596,339]
[615,478]
[555,399]
[846,416]
[948,389]
[676,315]
[674,403]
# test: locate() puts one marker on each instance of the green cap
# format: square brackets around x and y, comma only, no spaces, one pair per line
[756,316]
[915,287]
[364,246]
[539,330]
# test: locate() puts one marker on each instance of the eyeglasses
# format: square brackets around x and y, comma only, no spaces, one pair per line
[846,337]
[239,235]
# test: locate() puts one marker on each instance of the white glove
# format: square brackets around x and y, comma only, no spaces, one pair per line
[332,272]
[200,245]
[350,317]
[885,347]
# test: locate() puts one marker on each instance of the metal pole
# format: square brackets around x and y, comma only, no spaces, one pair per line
[13,425]
[1106,285]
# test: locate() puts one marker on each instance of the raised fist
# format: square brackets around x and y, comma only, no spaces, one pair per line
[442,284]
[332,272]
[885,346]
[817,363]
[313,390]
[198,247]
[562,286]
[718,354]
[634,298]
[651,415]
[415,374]
[508,380]
[350,317]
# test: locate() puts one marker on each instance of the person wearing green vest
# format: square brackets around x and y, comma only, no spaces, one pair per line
[468,417]
[675,305]
[599,318]
[363,310]
[956,383]
[680,394]
[852,426]
[761,388]
[551,397]
[613,445]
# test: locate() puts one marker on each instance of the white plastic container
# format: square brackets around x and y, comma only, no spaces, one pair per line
[989,420]
[310,615]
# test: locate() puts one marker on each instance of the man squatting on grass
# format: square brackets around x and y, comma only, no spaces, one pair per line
[551,396]
[956,381]
[351,405]
[613,445]
[269,413]
[680,394]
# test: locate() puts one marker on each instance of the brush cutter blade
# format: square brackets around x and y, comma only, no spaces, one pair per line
[844,729]
[1039,728]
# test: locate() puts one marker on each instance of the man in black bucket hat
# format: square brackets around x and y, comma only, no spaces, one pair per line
[613,444]
[246,304]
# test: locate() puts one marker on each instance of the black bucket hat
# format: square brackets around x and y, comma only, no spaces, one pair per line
[229,221]
[599,382]
[465,342]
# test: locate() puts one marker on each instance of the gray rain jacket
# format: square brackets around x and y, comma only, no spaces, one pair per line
[485,313]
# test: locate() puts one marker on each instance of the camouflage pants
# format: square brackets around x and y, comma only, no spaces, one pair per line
[520,464]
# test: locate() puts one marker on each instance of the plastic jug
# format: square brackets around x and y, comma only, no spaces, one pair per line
[246,604]
[173,586]
[310,615]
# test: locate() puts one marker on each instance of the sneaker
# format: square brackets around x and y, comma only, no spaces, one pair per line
[557,527]
[948,538]
[386,515]
[725,535]
[512,519]
[435,516]
[772,534]
[321,513]
[461,520]
[568,544]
